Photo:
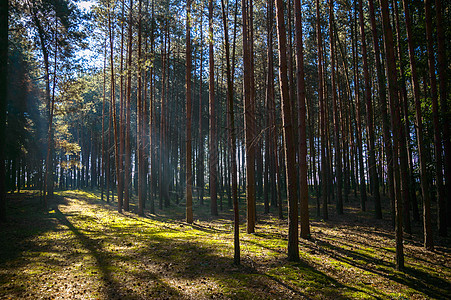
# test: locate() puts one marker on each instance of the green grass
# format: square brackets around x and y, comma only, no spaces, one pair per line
[82,245]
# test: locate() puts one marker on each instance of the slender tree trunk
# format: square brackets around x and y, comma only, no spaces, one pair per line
[249,117]
[113,118]
[128,150]
[302,129]
[102,173]
[270,150]
[338,161]
[3,102]
[166,133]
[121,125]
[162,148]
[396,126]
[409,199]
[427,228]
[442,60]
[213,147]
[152,120]
[358,106]
[140,124]
[442,226]
[48,177]
[189,178]
[232,136]
[322,109]
[200,159]
[288,135]
[369,120]
[383,108]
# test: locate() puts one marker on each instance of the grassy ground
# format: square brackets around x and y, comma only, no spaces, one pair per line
[81,248]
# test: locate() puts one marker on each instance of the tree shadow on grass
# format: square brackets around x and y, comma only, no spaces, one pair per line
[26,220]
[192,260]
[104,262]
[316,283]
[418,280]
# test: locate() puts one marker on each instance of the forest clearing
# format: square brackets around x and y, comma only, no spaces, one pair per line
[235,149]
[83,249]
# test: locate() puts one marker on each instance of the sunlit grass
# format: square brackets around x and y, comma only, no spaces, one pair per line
[92,248]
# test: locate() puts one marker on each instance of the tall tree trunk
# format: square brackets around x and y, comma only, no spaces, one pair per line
[140,124]
[383,108]
[358,107]
[3,103]
[128,150]
[213,147]
[162,149]
[270,151]
[443,92]
[322,109]
[121,127]
[427,228]
[442,226]
[200,159]
[369,120]
[338,162]
[152,140]
[288,136]
[113,119]
[189,178]
[302,129]
[48,177]
[396,126]
[406,171]
[249,117]
[232,136]
[103,156]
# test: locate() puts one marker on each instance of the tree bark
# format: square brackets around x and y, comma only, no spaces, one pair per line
[288,136]
[443,92]
[249,117]
[213,147]
[113,119]
[302,129]
[232,136]
[409,199]
[442,226]
[383,108]
[322,116]
[396,126]
[338,161]
[128,150]
[4,8]
[427,228]
[140,124]
[358,106]
[200,157]
[369,120]
[189,178]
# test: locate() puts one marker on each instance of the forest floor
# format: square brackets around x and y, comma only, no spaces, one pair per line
[82,248]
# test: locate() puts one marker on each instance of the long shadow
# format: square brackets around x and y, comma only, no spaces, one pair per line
[330,286]
[419,280]
[199,261]
[26,220]
[365,243]
[95,250]
[103,263]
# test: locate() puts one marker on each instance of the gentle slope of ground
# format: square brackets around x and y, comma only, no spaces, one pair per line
[83,249]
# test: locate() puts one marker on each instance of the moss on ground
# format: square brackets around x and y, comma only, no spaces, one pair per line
[82,248]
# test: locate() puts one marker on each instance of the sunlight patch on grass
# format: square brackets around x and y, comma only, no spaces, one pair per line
[91,246]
